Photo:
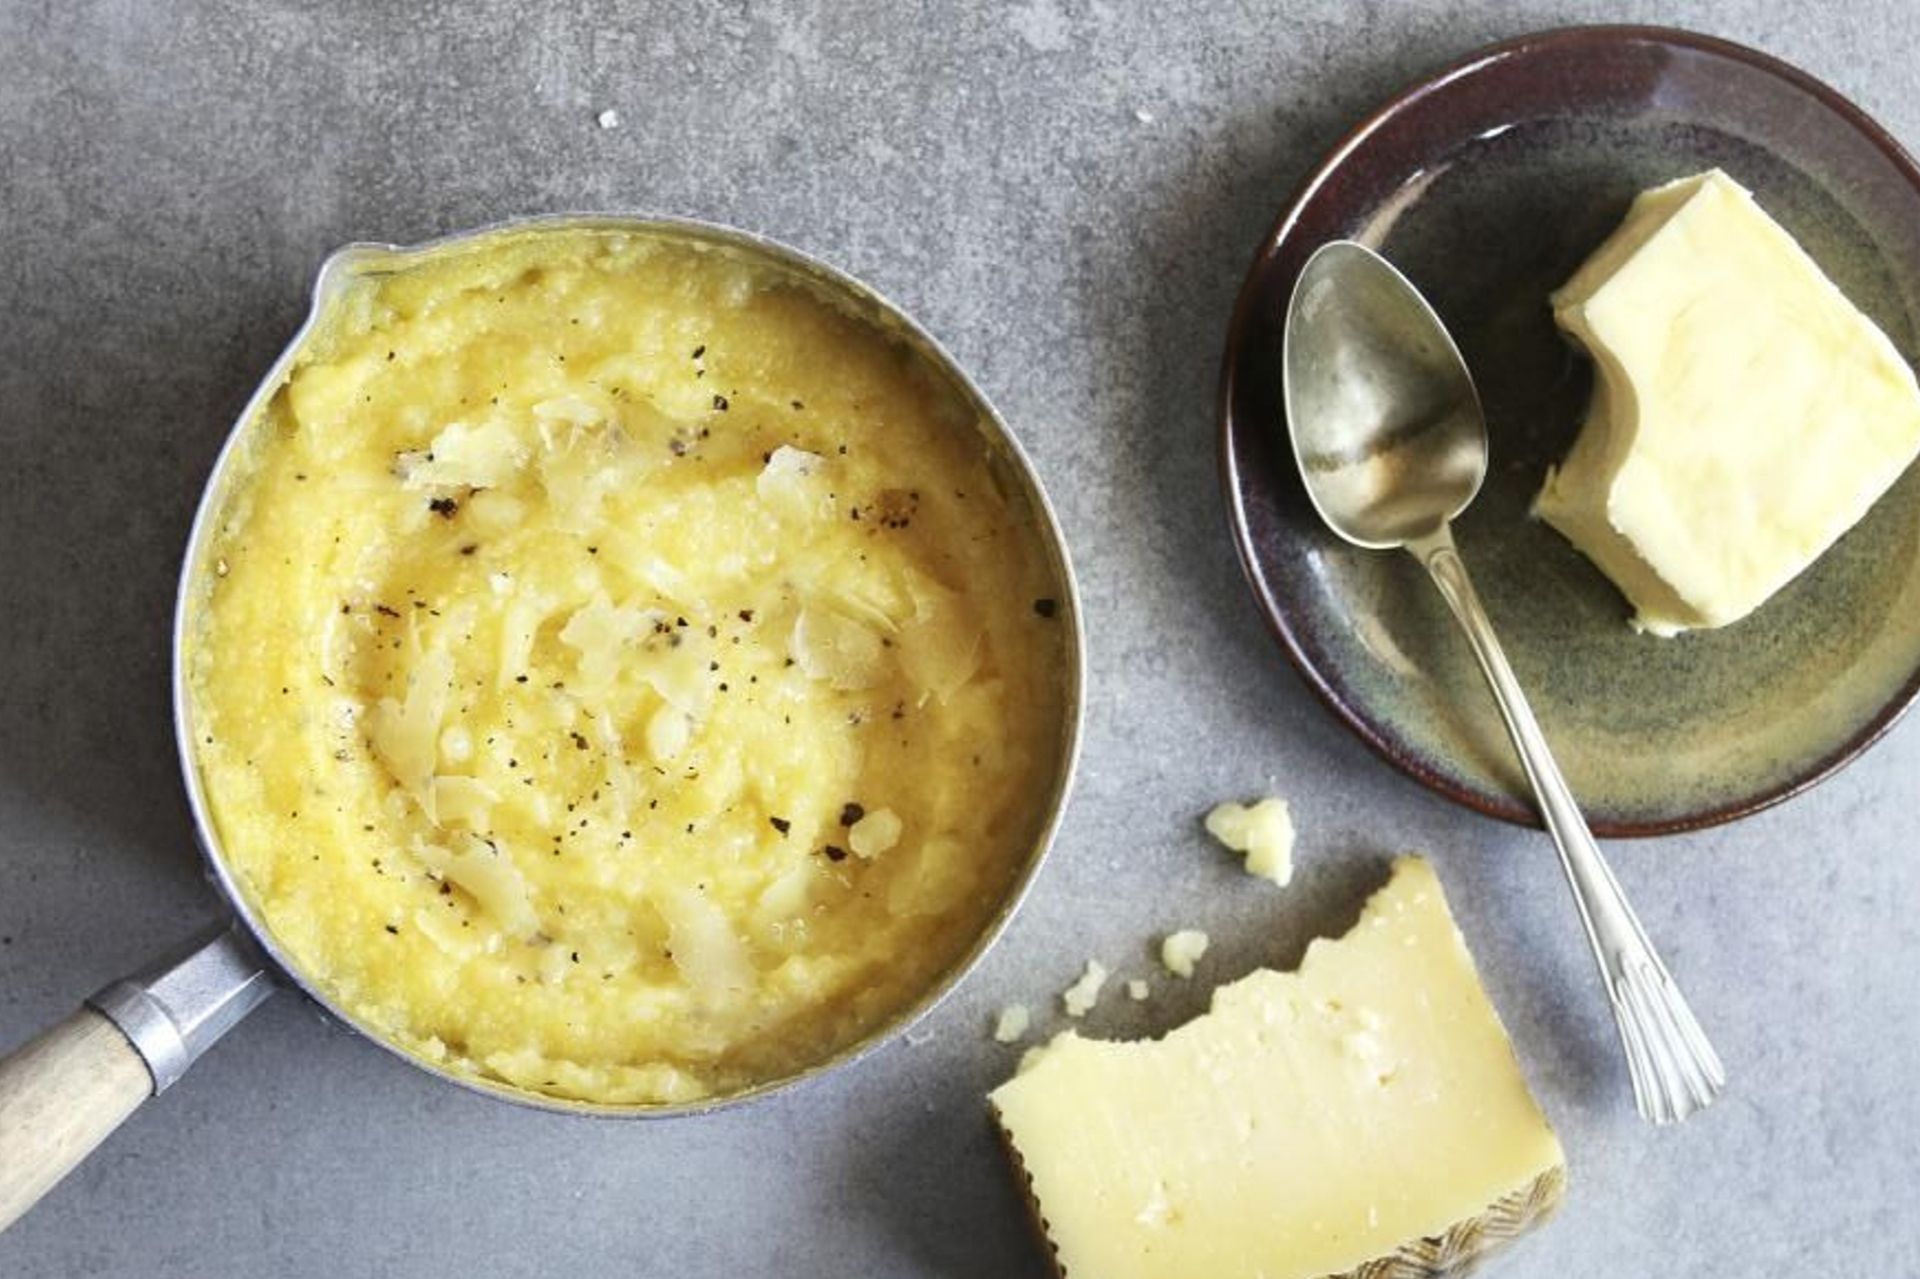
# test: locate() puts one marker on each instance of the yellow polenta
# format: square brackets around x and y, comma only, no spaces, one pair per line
[619,673]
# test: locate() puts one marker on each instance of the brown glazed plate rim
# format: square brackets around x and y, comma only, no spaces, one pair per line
[1301,648]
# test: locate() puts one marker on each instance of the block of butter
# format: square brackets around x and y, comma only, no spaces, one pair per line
[1745,414]
[1365,1111]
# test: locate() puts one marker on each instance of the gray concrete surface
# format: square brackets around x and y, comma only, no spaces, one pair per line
[1066,191]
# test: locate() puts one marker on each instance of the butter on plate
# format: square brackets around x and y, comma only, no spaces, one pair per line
[1745,414]
[1363,1114]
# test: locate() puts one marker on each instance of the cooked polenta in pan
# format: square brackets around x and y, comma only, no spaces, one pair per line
[618,672]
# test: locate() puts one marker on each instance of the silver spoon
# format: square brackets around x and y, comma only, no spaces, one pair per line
[1392,443]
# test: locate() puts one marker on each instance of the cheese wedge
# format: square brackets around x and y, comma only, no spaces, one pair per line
[1745,414]
[1366,1110]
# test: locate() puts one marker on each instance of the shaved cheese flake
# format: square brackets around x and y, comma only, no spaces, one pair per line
[613,750]
[518,629]
[940,646]
[579,467]
[831,646]
[877,603]
[569,410]
[465,800]
[705,948]
[679,672]
[784,901]
[336,643]
[406,734]
[464,456]
[850,601]
[478,868]
[634,554]
[493,513]
[442,927]
[600,633]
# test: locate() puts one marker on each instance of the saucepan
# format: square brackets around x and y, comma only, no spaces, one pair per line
[65,1091]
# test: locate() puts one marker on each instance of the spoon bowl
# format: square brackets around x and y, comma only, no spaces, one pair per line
[1386,424]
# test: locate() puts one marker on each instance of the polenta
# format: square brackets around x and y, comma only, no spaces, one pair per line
[619,673]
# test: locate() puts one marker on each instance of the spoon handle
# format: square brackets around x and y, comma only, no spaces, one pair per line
[1675,1070]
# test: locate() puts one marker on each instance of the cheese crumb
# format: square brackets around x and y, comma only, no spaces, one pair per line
[608,119]
[1138,989]
[668,732]
[1264,832]
[874,833]
[1182,950]
[791,484]
[1013,1023]
[1085,993]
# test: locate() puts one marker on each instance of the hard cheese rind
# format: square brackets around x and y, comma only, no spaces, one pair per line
[1745,413]
[1362,1115]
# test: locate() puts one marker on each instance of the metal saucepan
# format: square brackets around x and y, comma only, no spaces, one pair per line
[64,1092]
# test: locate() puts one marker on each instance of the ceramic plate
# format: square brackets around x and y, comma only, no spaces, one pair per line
[1488,184]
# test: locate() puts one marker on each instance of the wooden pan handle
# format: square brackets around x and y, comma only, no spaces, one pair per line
[60,1096]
